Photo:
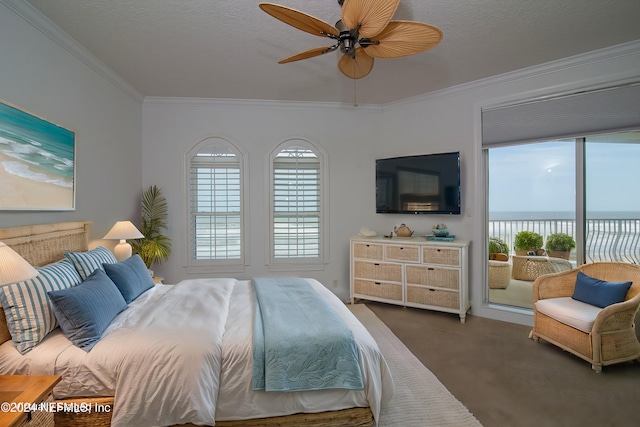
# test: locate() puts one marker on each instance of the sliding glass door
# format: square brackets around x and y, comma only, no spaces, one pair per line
[576,194]
[612,196]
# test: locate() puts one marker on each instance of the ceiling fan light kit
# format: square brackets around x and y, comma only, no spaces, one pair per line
[364,32]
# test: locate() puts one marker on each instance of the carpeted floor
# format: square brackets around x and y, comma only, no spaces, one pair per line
[506,379]
[420,399]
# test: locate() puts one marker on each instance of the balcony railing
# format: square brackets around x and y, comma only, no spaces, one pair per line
[606,239]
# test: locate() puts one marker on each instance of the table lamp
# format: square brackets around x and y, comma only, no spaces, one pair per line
[14,268]
[123,230]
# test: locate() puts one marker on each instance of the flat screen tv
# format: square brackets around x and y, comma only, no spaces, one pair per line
[423,184]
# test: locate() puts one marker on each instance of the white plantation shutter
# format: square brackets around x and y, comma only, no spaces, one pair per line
[296,205]
[215,194]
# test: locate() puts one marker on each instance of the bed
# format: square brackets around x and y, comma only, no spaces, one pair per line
[103,377]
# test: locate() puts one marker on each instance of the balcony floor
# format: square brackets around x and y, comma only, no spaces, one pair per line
[518,293]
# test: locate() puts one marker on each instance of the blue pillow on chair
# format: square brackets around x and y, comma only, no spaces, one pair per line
[84,311]
[599,292]
[131,276]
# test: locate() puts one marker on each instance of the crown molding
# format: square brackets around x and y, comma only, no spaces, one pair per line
[601,55]
[40,22]
[261,103]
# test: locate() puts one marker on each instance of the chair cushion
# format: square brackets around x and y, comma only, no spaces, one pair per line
[599,292]
[569,311]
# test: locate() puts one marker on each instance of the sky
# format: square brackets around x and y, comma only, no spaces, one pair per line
[540,177]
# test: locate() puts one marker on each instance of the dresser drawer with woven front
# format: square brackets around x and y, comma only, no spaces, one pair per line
[402,253]
[441,256]
[448,278]
[368,251]
[435,297]
[412,272]
[380,271]
[40,418]
[389,291]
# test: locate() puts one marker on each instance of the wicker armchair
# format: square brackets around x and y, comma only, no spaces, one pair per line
[612,338]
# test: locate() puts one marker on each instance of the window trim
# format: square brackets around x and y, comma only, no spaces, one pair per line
[296,264]
[236,265]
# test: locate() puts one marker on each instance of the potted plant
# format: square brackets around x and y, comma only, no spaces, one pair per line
[498,249]
[527,241]
[154,246]
[559,245]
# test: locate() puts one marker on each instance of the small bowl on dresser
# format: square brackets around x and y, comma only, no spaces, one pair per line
[439,232]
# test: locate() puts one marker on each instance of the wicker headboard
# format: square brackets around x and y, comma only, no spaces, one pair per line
[40,245]
[46,243]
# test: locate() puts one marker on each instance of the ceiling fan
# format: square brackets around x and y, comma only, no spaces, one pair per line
[364,32]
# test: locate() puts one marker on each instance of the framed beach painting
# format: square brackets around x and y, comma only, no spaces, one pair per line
[37,163]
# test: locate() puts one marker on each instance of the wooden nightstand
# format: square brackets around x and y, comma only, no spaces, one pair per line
[18,390]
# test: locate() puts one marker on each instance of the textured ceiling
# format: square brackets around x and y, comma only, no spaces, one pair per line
[230,49]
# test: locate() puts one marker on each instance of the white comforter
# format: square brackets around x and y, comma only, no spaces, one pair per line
[182,353]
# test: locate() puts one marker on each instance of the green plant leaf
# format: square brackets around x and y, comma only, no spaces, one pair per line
[155,246]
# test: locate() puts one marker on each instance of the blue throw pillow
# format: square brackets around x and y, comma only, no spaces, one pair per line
[131,276]
[598,292]
[85,311]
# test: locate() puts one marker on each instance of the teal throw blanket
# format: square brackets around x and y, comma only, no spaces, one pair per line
[299,341]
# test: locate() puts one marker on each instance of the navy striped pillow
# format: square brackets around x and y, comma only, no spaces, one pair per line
[89,261]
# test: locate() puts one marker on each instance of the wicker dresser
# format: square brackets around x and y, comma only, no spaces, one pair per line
[411,272]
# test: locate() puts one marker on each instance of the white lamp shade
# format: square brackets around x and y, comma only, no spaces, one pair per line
[123,230]
[14,268]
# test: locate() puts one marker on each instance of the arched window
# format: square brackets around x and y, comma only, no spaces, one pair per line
[297,204]
[216,204]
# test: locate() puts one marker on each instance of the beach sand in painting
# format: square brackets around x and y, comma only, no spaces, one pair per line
[25,194]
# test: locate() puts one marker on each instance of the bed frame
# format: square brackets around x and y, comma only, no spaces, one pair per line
[45,243]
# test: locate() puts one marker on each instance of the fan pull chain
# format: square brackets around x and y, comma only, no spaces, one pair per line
[355,101]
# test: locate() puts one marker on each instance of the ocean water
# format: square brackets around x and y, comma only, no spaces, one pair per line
[561,215]
[40,151]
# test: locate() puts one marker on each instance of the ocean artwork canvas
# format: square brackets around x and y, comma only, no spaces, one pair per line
[37,163]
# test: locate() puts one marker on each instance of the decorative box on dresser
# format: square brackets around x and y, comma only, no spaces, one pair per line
[412,272]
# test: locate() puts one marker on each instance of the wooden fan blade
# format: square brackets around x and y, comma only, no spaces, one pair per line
[372,15]
[300,20]
[403,38]
[305,54]
[356,68]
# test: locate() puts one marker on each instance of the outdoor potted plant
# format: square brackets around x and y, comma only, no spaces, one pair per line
[498,249]
[154,246]
[559,245]
[527,241]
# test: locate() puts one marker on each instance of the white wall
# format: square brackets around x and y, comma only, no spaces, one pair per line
[46,79]
[349,136]
[353,138]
